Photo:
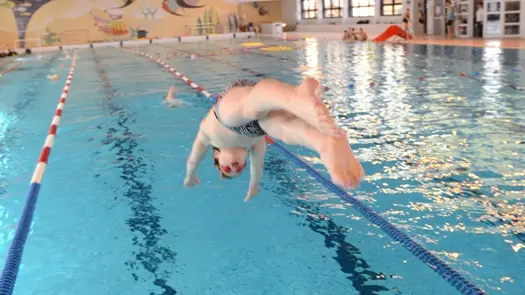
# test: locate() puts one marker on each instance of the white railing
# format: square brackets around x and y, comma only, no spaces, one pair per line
[196,28]
[29,43]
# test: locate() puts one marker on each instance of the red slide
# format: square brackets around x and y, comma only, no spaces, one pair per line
[393,30]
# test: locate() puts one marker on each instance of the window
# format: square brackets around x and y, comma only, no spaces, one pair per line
[391,7]
[308,9]
[333,8]
[362,8]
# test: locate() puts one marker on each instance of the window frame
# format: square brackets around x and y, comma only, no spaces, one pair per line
[332,8]
[351,8]
[393,4]
[307,11]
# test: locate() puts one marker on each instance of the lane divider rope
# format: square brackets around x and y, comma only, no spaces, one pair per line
[453,277]
[15,66]
[14,256]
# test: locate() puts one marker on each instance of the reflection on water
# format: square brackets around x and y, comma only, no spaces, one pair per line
[448,145]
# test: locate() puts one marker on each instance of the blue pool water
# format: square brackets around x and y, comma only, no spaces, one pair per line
[442,157]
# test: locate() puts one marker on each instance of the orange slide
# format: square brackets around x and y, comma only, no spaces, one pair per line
[393,30]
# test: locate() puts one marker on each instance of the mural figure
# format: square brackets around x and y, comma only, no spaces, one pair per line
[110,26]
[138,33]
[126,4]
[7,4]
[148,10]
[209,17]
[176,7]
[23,11]
[113,16]
[233,22]
[261,9]
[51,38]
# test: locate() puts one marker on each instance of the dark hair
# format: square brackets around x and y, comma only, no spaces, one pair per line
[216,164]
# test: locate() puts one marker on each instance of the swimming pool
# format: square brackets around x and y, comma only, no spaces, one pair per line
[441,154]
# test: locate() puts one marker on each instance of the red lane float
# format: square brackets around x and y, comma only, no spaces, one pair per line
[38,174]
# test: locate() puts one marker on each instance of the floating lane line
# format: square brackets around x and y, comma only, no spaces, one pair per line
[14,255]
[14,67]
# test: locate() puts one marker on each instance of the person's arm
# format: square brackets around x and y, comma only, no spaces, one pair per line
[198,151]
[257,154]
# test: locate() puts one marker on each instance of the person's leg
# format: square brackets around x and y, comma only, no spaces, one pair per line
[303,101]
[336,154]
[480,29]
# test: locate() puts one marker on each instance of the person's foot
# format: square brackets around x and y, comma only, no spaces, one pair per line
[341,163]
[310,108]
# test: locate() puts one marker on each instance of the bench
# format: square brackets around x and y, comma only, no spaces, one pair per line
[196,28]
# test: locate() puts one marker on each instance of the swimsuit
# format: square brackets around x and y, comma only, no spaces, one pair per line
[250,129]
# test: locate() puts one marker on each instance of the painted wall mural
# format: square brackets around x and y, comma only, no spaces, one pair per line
[110,24]
[23,11]
[260,8]
[47,22]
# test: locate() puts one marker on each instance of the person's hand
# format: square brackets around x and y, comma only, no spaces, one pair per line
[191,181]
[252,192]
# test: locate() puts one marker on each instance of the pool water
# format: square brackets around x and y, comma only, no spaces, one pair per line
[439,133]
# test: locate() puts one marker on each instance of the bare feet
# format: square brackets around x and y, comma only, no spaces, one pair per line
[308,106]
[341,163]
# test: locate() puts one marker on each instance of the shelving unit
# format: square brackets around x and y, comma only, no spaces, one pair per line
[502,18]
[464,27]
[512,18]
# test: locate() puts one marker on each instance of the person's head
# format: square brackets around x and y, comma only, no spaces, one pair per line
[353,30]
[230,162]
[28,51]
[360,30]
[448,3]
[480,5]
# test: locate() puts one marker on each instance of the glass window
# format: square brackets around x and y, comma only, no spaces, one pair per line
[362,8]
[391,7]
[308,9]
[332,8]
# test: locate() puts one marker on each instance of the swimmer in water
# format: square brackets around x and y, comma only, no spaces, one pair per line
[53,77]
[248,111]
[170,99]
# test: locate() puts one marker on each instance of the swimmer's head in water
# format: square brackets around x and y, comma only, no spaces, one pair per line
[230,162]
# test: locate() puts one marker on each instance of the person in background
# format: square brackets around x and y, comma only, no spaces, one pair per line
[28,51]
[363,36]
[11,53]
[450,19]
[345,36]
[406,19]
[354,35]
[421,22]
[480,16]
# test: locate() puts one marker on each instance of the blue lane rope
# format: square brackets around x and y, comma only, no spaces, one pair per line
[450,275]
[14,256]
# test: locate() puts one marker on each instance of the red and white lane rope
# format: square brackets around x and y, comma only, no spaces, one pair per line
[15,66]
[16,250]
[174,72]
[48,144]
